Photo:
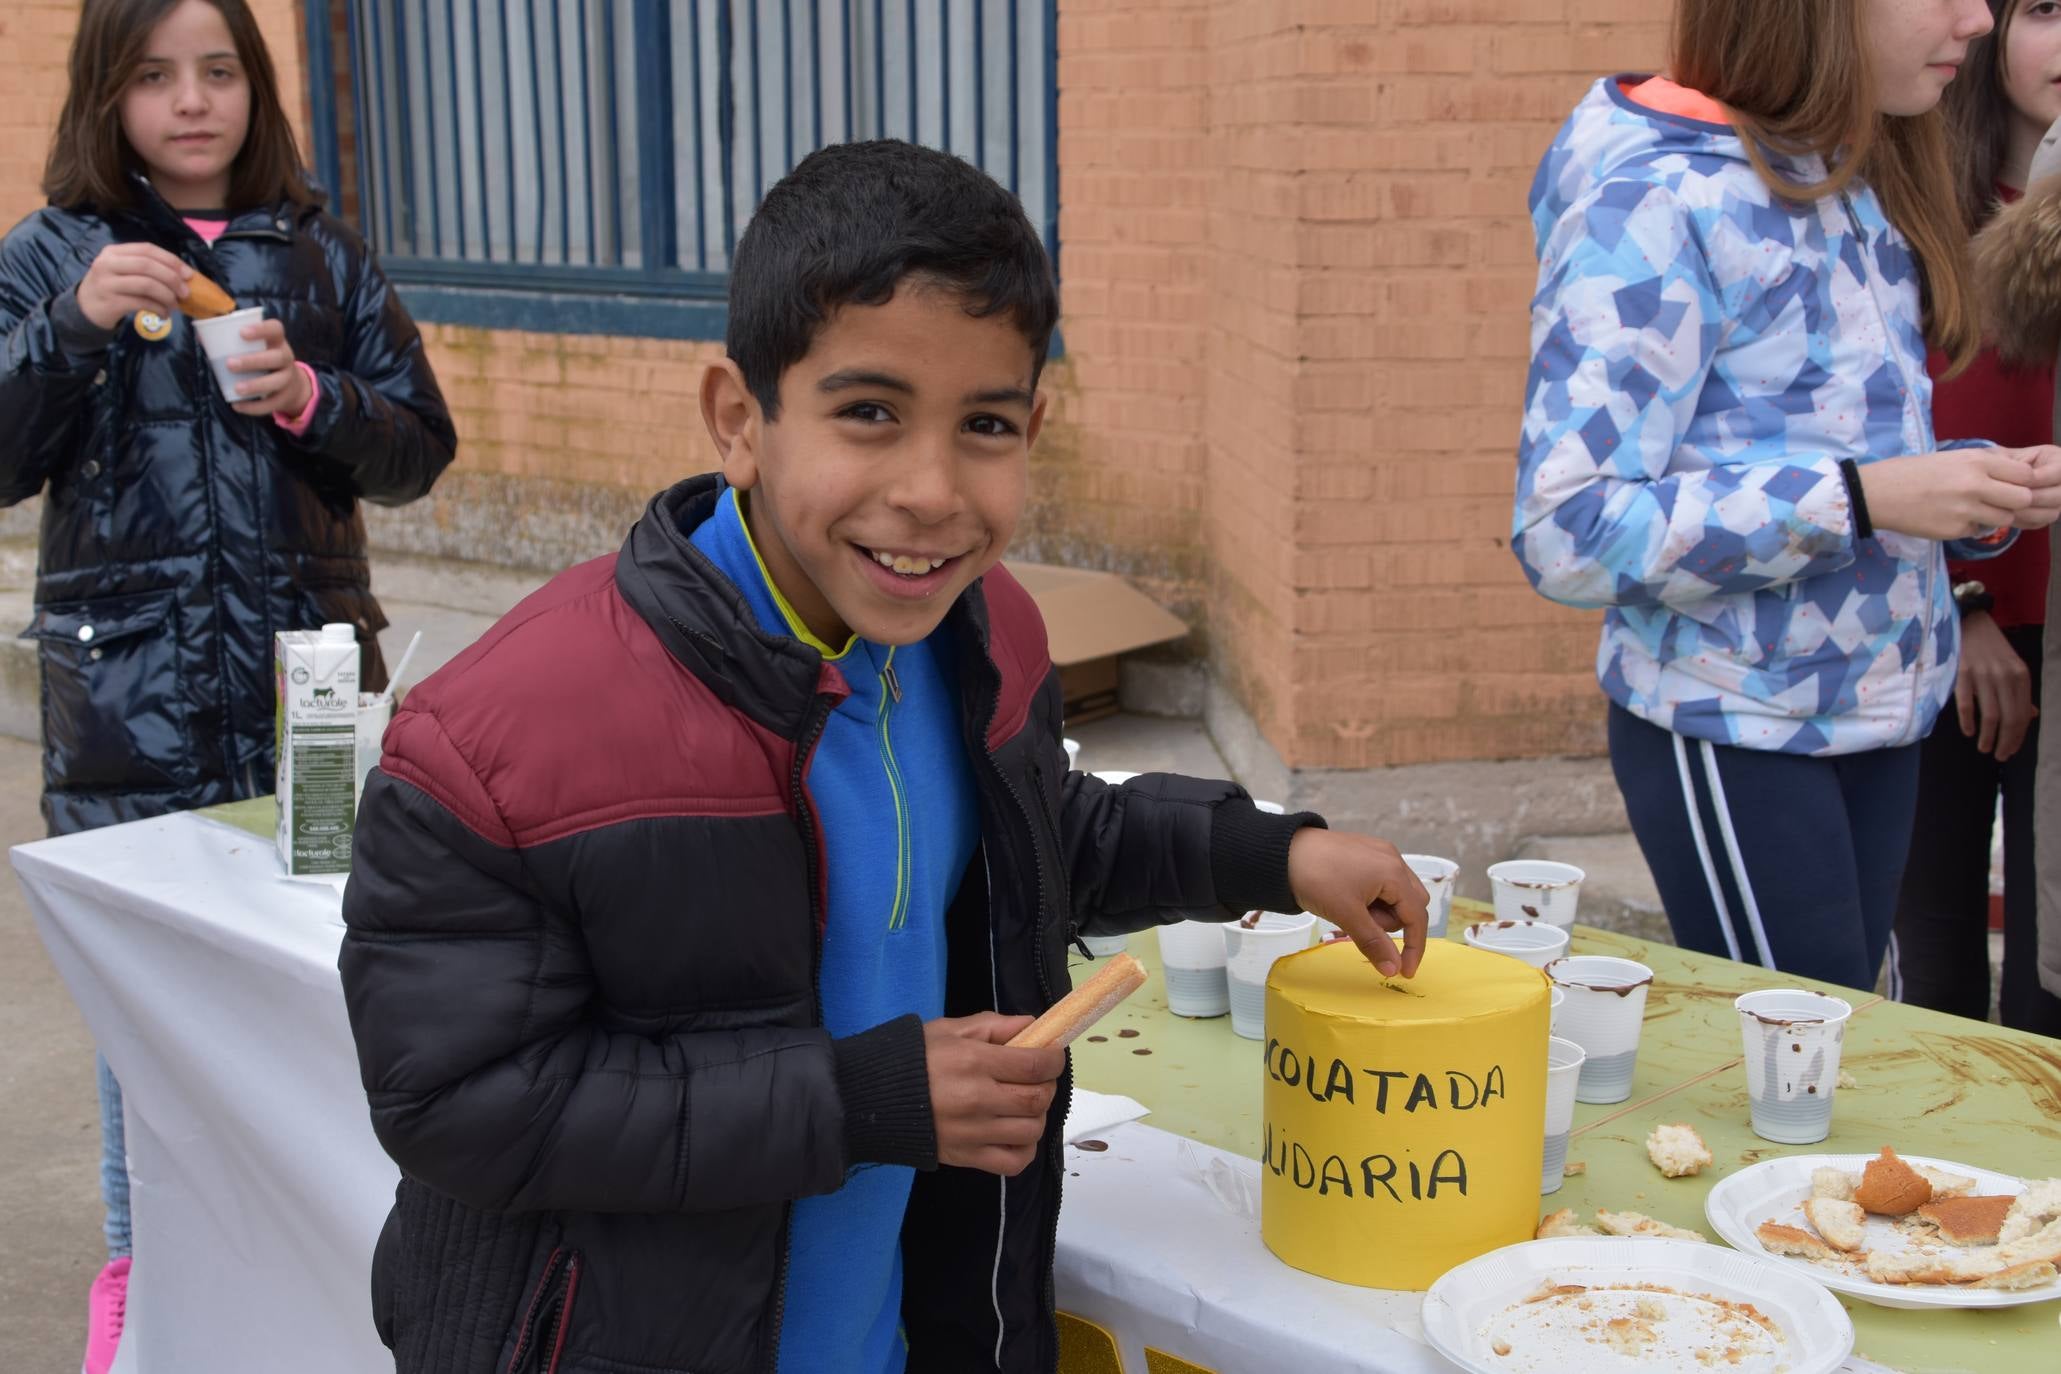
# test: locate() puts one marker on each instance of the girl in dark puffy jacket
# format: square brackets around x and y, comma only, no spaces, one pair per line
[179,530]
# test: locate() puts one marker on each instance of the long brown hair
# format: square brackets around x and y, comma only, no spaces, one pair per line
[1978,115]
[1794,75]
[90,158]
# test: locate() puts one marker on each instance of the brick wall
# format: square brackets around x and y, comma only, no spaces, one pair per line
[1364,267]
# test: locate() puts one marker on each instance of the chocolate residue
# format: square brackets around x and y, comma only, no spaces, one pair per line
[1250,920]
[1092,1146]
[1530,911]
[1098,1040]
[1141,1051]
[1812,1090]
[1795,1047]
[1127,1033]
[1951,1102]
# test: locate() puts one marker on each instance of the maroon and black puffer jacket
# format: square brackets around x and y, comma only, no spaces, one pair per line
[580,966]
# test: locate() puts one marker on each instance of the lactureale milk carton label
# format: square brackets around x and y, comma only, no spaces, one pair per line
[317,724]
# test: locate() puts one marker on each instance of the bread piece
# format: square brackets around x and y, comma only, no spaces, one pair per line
[1677,1150]
[1890,1187]
[1945,1184]
[1789,1240]
[1966,1220]
[2043,1244]
[2039,1204]
[205,300]
[1843,1224]
[2015,1276]
[1926,1266]
[1563,1223]
[1833,1183]
[1638,1224]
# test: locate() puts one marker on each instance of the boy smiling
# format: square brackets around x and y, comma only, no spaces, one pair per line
[694,907]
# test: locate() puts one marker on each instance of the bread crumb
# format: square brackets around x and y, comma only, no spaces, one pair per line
[1677,1150]
[1501,1347]
[1846,1080]
[1576,1168]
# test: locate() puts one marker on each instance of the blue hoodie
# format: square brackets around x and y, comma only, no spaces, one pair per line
[1703,356]
[893,791]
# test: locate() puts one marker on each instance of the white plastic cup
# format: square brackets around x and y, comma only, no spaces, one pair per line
[1438,876]
[1792,1040]
[1073,754]
[375,713]
[1559,997]
[1535,942]
[1536,890]
[1564,1060]
[1102,946]
[1604,1012]
[1250,953]
[221,338]
[1191,961]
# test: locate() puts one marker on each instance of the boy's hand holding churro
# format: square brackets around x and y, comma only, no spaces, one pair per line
[988,1098]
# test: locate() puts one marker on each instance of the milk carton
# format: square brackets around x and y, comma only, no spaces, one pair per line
[317,731]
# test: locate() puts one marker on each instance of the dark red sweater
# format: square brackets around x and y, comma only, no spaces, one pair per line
[2013,407]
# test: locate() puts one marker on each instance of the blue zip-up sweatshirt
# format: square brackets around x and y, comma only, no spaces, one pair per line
[893,791]
[1703,356]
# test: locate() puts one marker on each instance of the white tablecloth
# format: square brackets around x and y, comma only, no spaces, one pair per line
[258,1189]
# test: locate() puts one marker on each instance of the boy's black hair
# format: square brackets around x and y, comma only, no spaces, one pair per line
[850,224]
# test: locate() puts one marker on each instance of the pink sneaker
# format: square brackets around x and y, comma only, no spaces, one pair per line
[107,1304]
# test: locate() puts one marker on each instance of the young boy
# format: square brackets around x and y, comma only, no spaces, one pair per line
[693,907]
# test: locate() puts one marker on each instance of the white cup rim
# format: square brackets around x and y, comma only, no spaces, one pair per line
[1527,873]
[1834,1009]
[1436,862]
[1529,935]
[1633,973]
[217,323]
[1560,1045]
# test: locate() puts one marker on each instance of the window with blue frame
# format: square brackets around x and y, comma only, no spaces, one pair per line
[587,165]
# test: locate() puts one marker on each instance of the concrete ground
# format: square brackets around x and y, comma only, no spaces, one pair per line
[50,1245]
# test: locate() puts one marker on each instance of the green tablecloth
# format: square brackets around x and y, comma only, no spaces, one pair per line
[1929,1084]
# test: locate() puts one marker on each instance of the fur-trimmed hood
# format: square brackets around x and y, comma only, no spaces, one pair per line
[2018,276]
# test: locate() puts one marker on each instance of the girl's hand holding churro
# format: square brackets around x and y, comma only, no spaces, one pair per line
[128,277]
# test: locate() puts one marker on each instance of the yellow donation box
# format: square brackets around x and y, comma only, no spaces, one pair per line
[1404,1118]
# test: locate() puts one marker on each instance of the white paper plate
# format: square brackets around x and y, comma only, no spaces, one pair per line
[1683,1286]
[1775,1189]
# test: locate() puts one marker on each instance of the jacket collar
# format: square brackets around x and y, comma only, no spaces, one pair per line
[704,621]
[153,213]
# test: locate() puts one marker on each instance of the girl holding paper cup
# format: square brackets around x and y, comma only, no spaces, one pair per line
[183,523]
[1728,446]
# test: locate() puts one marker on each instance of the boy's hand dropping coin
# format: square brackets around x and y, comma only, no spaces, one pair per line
[1362,886]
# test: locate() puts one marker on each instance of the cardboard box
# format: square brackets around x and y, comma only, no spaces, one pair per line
[1090,619]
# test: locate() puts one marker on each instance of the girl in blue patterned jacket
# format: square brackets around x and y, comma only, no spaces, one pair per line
[1728,444]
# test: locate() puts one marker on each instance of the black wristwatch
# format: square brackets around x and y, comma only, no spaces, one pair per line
[1973,596]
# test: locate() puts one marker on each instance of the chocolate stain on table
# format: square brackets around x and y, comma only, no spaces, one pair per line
[1127,1033]
[1094,1147]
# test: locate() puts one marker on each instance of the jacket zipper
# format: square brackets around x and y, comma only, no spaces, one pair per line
[890,697]
[1853,221]
[553,1314]
[1060,1102]
[812,731]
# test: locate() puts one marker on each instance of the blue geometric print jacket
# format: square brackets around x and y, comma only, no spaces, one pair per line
[1702,358]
